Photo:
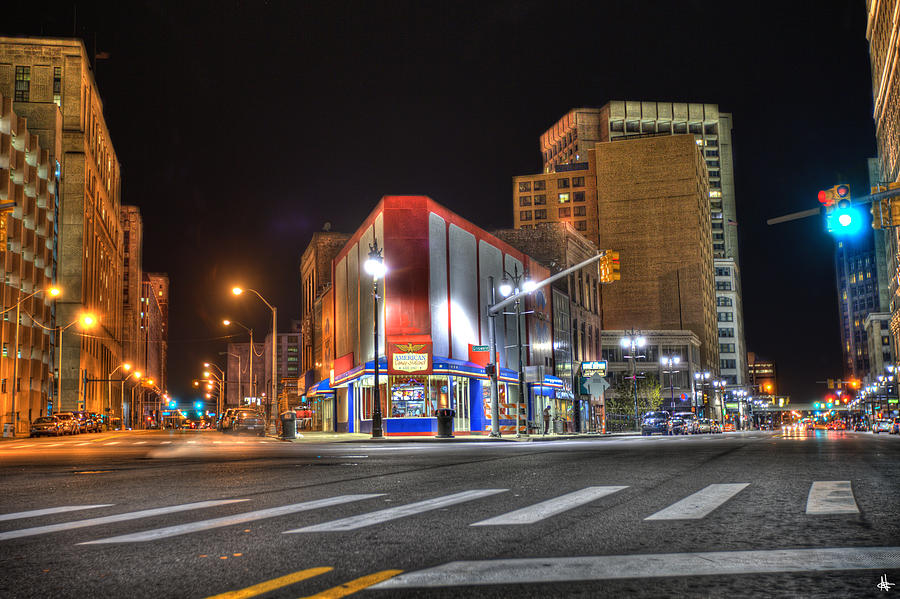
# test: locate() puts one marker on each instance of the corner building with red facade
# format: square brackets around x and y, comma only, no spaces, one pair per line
[433,324]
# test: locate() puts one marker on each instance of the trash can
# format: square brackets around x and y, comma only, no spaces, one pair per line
[8,430]
[559,426]
[445,423]
[289,425]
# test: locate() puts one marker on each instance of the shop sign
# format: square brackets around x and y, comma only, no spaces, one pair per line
[409,356]
[731,405]
[893,400]
[588,369]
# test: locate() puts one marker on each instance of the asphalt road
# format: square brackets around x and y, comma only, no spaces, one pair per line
[198,513]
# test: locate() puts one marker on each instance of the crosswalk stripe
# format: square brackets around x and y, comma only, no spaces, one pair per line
[271,585]
[39,530]
[401,511]
[551,507]
[608,567]
[700,504]
[183,529]
[831,497]
[50,510]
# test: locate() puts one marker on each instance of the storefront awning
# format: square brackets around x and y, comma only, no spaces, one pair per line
[320,388]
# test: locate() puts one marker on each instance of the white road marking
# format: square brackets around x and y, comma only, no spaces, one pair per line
[401,511]
[51,445]
[39,530]
[607,567]
[700,504]
[551,507]
[182,529]
[169,442]
[113,443]
[84,443]
[193,442]
[21,446]
[139,442]
[831,497]
[50,510]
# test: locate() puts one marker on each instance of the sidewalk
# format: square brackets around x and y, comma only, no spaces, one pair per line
[327,437]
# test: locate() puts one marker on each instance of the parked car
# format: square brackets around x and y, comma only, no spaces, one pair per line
[244,420]
[882,426]
[655,422]
[70,423]
[860,426]
[47,425]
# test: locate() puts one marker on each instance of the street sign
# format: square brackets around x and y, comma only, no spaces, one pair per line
[589,369]
[481,348]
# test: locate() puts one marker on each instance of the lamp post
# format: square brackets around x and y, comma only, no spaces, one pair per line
[671,362]
[52,291]
[227,322]
[495,367]
[126,367]
[222,385]
[515,283]
[137,375]
[700,378]
[273,394]
[375,267]
[86,321]
[633,340]
[719,386]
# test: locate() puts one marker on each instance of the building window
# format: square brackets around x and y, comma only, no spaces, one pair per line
[617,126]
[695,128]
[712,153]
[57,85]
[540,214]
[719,247]
[563,198]
[579,196]
[577,181]
[525,186]
[726,348]
[717,226]
[565,212]
[711,128]
[562,183]
[723,271]
[23,83]
[728,364]
[712,143]
[523,201]
[714,174]
[726,317]
[715,194]
[540,184]
[715,184]
[724,301]
[580,211]
[581,225]
[523,215]
[633,126]
[723,285]
[719,236]
[540,199]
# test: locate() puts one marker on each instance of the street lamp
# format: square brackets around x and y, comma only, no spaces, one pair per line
[124,366]
[633,340]
[52,291]
[375,267]
[137,375]
[700,378]
[515,283]
[671,362]
[221,382]
[86,321]
[270,401]
[227,322]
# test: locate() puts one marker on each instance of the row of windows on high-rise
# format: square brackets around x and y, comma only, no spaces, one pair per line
[23,84]
[541,184]
[541,199]
[676,127]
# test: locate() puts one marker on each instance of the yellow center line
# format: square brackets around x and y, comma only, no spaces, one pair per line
[348,588]
[271,585]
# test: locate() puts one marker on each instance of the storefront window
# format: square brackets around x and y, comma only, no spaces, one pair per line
[408,397]
[438,392]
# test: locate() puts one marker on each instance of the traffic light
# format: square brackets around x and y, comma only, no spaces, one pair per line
[609,267]
[841,217]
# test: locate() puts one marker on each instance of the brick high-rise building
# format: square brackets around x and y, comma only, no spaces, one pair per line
[40,72]
[159,282]
[134,351]
[29,184]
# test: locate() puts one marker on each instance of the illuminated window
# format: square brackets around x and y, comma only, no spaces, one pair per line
[57,85]
[23,83]
[715,194]
[563,198]
[525,186]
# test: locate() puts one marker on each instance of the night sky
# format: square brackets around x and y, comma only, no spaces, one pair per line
[242,127]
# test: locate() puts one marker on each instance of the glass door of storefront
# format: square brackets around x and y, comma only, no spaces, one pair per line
[461,403]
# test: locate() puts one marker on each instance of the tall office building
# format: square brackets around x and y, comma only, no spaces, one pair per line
[159,285]
[568,140]
[883,33]
[29,184]
[38,72]
[134,351]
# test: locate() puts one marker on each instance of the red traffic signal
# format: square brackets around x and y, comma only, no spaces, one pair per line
[842,191]
[825,198]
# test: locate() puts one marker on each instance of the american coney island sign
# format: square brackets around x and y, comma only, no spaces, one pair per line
[409,356]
